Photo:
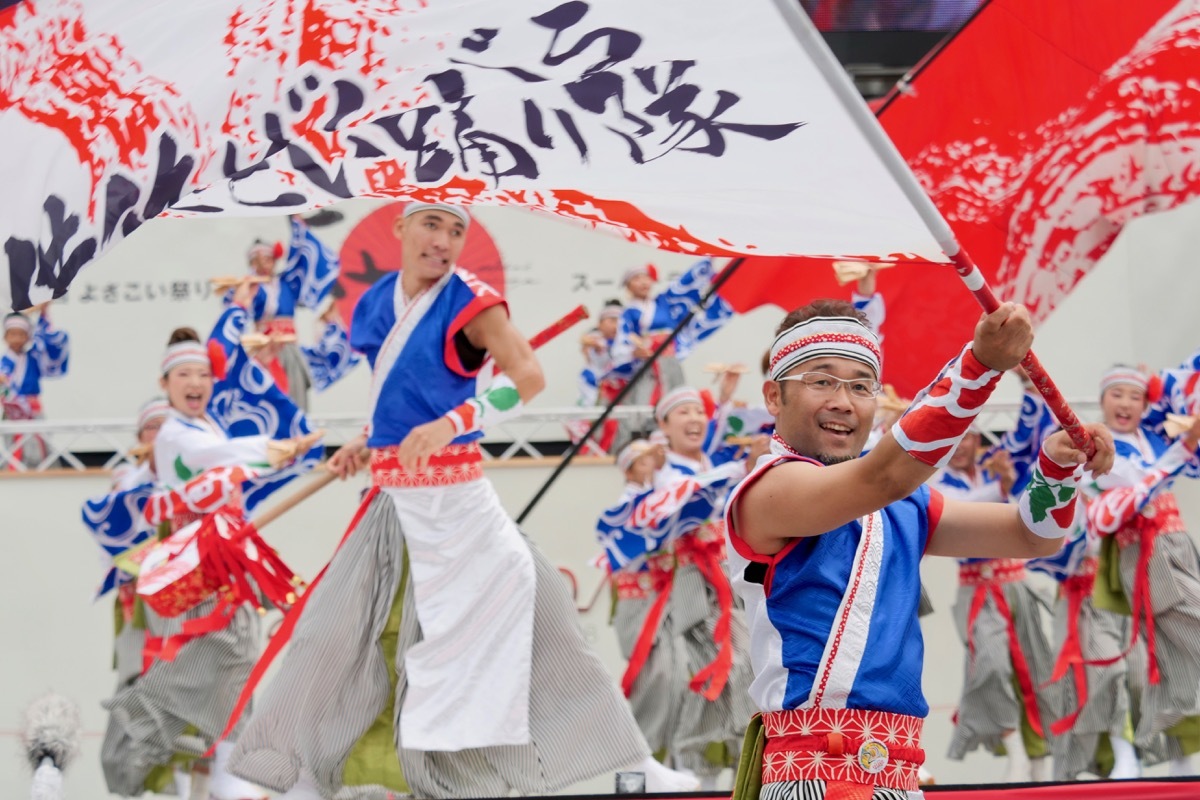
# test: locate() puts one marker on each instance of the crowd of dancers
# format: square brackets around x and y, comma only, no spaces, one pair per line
[762,556]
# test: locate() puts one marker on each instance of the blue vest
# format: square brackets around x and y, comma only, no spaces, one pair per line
[428,379]
[806,588]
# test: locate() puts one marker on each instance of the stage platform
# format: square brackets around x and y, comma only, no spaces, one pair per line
[1156,789]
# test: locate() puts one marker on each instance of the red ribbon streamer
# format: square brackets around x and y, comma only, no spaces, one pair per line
[707,558]
[1020,665]
[1076,588]
[1141,604]
[716,673]
[663,581]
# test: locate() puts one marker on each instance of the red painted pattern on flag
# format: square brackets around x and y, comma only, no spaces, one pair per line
[58,74]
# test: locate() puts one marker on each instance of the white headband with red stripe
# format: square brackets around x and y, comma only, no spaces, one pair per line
[18,322]
[674,399]
[842,337]
[184,353]
[632,452]
[1124,376]
[153,409]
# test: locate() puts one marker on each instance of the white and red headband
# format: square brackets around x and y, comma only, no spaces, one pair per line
[612,311]
[630,274]
[184,353]
[458,211]
[632,452]
[1121,375]
[152,410]
[817,337]
[675,398]
[18,322]
[275,250]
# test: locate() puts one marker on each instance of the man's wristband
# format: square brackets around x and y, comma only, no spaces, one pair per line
[499,403]
[1047,506]
[935,423]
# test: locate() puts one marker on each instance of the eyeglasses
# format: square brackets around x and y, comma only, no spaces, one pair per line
[821,383]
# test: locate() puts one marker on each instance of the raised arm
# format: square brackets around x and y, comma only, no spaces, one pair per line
[800,498]
[1036,524]
[51,348]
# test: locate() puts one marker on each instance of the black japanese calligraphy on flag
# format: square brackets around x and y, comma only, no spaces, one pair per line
[645,119]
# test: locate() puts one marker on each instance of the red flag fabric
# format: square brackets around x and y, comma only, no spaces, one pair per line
[1039,130]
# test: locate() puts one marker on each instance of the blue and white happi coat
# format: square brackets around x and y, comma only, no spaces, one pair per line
[686,494]
[311,271]
[246,410]
[47,355]
[833,617]
[665,311]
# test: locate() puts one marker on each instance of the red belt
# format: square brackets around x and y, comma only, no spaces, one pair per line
[993,572]
[1076,589]
[457,463]
[705,549]
[989,580]
[230,560]
[841,745]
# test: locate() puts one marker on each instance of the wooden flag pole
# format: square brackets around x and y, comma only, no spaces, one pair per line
[839,82]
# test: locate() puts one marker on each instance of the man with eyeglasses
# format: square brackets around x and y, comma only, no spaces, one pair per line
[825,548]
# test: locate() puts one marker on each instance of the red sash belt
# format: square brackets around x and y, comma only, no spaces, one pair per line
[993,572]
[840,745]
[989,578]
[1158,518]
[704,549]
[458,463]
[1076,589]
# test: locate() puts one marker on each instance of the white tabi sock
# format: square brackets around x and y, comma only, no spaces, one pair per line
[1181,767]
[1126,763]
[1019,769]
[183,783]
[924,776]
[661,779]
[1039,769]
[47,782]
[224,785]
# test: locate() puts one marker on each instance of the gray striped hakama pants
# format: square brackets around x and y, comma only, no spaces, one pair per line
[675,720]
[299,381]
[990,705]
[1102,635]
[1175,596]
[334,683]
[198,688]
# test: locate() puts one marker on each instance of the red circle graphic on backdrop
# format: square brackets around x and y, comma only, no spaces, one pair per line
[372,251]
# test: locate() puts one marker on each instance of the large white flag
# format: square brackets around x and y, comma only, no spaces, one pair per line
[693,125]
